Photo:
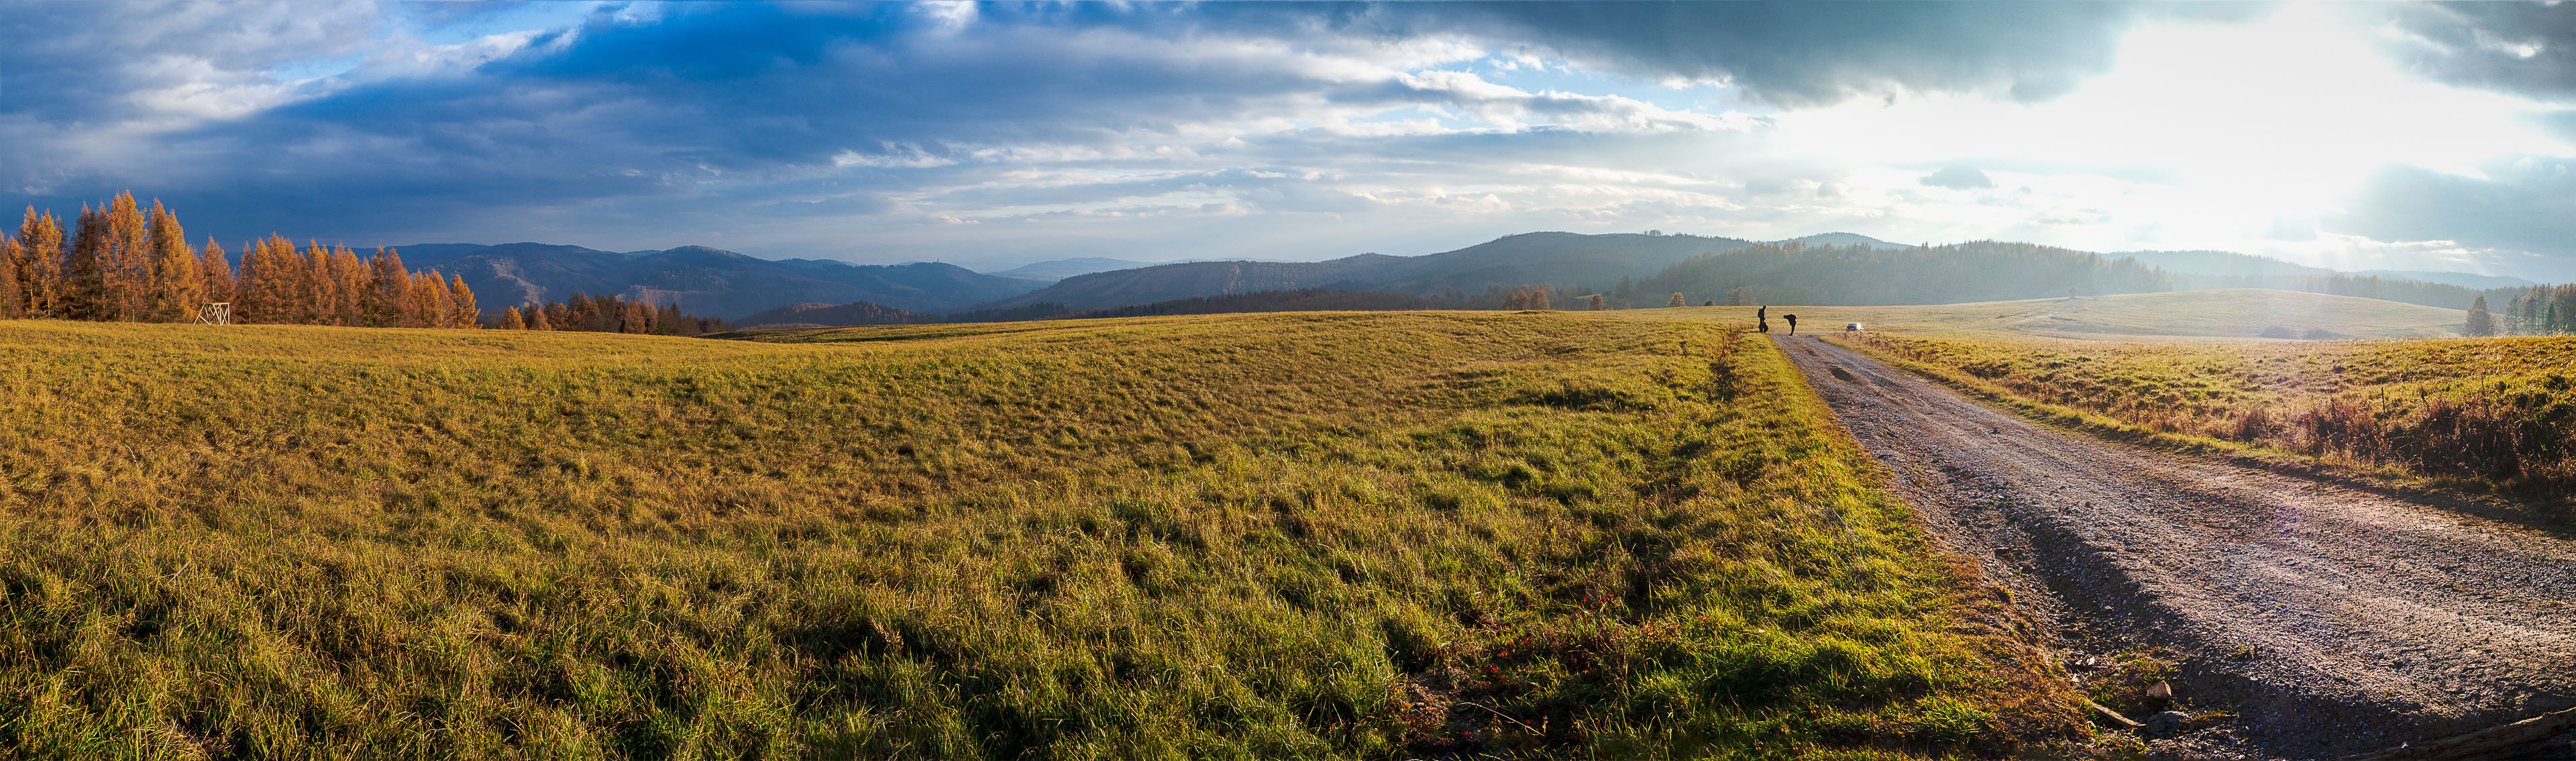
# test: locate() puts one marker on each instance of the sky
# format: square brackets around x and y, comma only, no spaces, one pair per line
[2355,136]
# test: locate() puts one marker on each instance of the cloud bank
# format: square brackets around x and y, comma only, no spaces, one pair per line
[992,133]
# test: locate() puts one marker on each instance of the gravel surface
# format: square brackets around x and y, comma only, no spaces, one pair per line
[2326,619]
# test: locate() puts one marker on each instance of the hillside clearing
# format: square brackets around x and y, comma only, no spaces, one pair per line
[1312,535]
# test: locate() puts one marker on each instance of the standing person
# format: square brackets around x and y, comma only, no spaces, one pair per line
[1762,314]
[1793,323]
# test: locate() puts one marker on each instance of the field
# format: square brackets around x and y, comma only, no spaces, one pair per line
[2184,315]
[2248,313]
[2477,412]
[1378,535]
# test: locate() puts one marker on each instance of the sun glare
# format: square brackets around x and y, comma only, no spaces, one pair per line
[2218,132]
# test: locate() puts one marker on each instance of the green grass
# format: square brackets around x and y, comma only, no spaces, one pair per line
[2248,313]
[1276,536]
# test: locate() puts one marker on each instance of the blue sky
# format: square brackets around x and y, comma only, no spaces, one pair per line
[2357,136]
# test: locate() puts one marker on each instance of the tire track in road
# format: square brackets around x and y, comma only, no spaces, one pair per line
[2330,619]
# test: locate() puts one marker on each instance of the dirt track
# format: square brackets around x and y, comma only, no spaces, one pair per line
[2329,619]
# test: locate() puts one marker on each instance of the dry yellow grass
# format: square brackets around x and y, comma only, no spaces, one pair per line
[2496,411]
[1313,536]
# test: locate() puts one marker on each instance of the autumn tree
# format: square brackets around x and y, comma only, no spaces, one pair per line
[271,286]
[391,307]
[1596,302]
[177,286]
[40,248]
[1677,300]
[537,318]
[634,318]
[460,300]
[13,300]
[85,271]
[510,320]
[215,270]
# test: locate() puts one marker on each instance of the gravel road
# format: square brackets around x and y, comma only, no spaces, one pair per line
[2327,618]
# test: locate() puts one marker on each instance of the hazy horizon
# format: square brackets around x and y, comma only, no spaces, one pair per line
[2417,137]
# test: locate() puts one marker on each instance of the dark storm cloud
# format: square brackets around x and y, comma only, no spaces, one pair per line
[1824,52]
[2525,205]
[2522,48]
[642,115]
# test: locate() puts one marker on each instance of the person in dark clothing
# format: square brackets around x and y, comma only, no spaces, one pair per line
[1762,315]
[1793,323]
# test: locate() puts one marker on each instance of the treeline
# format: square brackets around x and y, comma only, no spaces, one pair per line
[120,262]
[2540,310]
[610,314]
[2442,295]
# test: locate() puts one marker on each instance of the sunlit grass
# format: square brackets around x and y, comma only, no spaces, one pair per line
[1275,536]
[2498,411]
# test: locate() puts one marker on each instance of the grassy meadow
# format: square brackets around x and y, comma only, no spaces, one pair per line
[1381,535]
[2175,316]
[2481,412]
[2247,313]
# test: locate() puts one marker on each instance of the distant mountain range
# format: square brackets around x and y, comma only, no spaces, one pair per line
[1565,259]
[2461,279]
[753,291]
[703,280]
[1059,269]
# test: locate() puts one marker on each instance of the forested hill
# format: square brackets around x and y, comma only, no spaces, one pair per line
[707,280]
[1980,271]
[853,313]
[1512,260]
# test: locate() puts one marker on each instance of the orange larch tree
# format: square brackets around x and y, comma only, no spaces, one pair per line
[126,261]
[460,300]
[176,287]
[13,299]
[40,243]
[215,266]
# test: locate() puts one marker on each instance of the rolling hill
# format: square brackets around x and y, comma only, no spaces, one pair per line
[1544,257]
[853,313]
[704,280]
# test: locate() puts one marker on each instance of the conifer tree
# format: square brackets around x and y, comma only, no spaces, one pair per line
[391,304]
[351,282]
[634,318]
[270,289]
[177,285]
[577,314]
[215,266]
[2481,322]
[12,298]
[1677,300]
[429,302]
[247,299]
[510,320]
[668,321]
[556,316]
[40,244]
[85,280]
[461,300]
[127,260]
